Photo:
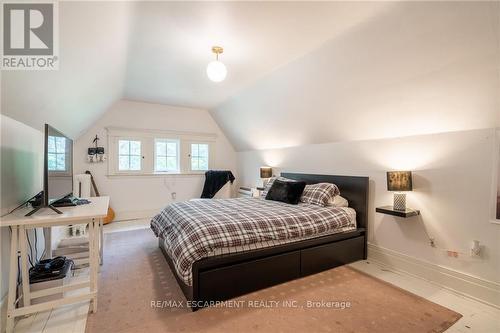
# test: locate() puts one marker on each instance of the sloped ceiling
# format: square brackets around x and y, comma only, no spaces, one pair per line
[418,68]
[158,51]
[91,76]
[170,44]
[299,72]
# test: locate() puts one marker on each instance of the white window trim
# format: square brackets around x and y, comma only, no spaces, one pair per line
[147,138]
[210,158]
[167,140]
[113,163]
[118,155]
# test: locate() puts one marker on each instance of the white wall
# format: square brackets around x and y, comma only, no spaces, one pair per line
[21,178]
[396,78]
[414,68]
[143,195]
[453,180]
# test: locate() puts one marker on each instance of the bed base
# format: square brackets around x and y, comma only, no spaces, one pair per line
[226,276]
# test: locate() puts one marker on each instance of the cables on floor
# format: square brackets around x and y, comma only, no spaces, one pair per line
[31,249]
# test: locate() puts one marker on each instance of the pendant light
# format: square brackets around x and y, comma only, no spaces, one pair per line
[216,70]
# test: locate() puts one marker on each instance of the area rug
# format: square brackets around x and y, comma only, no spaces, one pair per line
[138,293]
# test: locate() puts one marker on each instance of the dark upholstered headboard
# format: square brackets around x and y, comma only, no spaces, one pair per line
[353,188]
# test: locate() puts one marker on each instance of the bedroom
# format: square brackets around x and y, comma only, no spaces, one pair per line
[392,106]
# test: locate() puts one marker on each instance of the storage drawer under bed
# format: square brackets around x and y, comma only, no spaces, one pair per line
[248,276]
[322,257]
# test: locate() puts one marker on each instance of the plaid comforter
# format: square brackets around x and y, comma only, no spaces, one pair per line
[193,229]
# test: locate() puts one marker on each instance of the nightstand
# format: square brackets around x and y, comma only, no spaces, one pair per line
[389,210]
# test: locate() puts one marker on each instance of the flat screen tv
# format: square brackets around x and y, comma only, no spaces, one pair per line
[58,166]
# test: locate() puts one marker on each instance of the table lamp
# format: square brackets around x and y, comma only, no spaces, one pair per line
[399,181]
[265,174]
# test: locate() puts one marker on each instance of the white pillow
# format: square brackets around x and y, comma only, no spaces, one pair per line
[338,201]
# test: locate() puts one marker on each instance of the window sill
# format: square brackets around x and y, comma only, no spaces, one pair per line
[154,175]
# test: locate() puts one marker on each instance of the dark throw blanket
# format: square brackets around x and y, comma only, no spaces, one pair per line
[214,181]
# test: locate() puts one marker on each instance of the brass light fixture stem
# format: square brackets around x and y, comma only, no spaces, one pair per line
[217,50]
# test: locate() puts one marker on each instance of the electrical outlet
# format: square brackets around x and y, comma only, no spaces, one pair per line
[174,195]
[475,249]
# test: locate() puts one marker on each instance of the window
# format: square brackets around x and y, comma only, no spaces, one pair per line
[199,156]
[166,155]
[157,153]
[129,155]
[56,154]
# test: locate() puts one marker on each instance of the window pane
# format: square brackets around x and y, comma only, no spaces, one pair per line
[203,163]
[52,144]
[123,163]
[172,149]
[135,163]
[135,147]
[123,147]
[194,149]
[60,162]
[203,150]
[161,164]
[51,158]
[194,163]
[60,144]
[161,148]
[172,163]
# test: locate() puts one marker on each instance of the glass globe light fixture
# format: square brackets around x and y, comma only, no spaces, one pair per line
[216,70]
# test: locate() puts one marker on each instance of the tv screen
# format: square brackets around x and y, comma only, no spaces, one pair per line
[58,168]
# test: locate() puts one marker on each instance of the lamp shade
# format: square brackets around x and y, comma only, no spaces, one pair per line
[266,172]
[399,181]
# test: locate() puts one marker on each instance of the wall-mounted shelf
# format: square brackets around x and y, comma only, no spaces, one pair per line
[389,210]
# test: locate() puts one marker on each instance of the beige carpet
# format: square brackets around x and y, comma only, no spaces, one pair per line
[135,274]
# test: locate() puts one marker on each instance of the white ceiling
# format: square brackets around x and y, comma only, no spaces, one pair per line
[298,72]
[170,44]
[158,52]
[417,68]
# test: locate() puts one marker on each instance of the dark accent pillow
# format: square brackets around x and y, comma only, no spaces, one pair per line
[286,191]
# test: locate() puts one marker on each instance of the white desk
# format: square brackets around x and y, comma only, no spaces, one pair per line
[92,214]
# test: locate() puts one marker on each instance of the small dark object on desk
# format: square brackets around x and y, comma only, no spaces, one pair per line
[70,201]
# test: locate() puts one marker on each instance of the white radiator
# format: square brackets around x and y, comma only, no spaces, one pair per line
[245,192]
[81,186]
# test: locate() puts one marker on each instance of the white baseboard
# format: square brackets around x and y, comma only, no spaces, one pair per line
[134,215]
[482,290]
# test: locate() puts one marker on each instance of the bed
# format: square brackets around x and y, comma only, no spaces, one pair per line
[257,243]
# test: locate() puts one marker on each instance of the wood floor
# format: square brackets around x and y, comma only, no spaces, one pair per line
[477,317]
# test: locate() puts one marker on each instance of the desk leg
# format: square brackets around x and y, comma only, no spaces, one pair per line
[101,242]
[12,280]
[25,279]
[93,262]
